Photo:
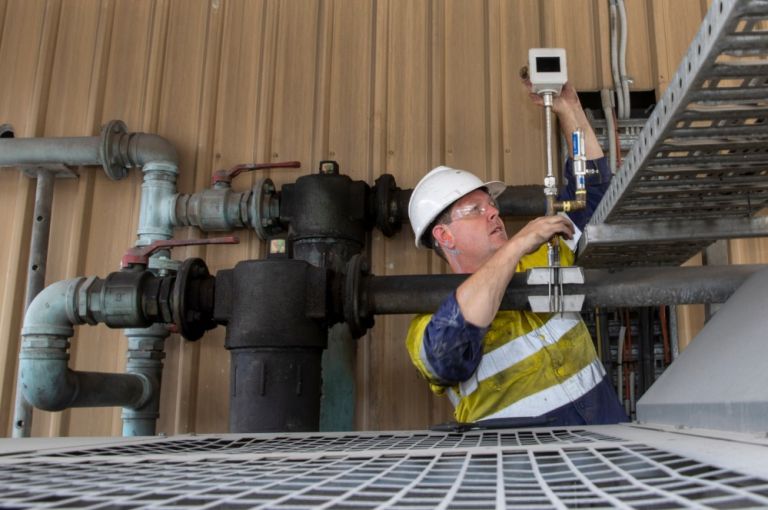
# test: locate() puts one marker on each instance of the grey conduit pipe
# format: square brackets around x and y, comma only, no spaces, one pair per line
[38,258]
[610,127]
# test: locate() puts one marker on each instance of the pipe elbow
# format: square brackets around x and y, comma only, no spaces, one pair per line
[48,384]
[46,381]
[150,148]
[52,312]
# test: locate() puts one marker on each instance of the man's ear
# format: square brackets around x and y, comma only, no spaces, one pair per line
[443,236]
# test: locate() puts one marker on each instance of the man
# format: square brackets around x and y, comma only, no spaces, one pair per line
[506,364]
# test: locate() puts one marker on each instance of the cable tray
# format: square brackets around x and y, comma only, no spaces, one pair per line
[698,171]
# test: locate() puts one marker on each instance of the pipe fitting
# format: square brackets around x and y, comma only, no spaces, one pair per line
[211,210]
[573,205]
[125,298]
[158,190]
[120,150]
[53,311]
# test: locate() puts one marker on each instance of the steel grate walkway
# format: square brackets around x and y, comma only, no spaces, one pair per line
[699,169]
[593,467]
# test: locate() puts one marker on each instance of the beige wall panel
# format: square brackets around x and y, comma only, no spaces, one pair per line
[673,24]
[295,92]
[467,135]
[748,251]
[522,124]
[187,111]
[74,98]
[391,394]
[574,26]
[350,94]
[639,58]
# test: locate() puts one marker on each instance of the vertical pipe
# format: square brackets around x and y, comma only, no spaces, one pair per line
[146,345]
[145,357]
[38,256]
[610,127]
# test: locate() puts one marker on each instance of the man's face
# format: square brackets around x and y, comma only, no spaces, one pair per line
[477,227]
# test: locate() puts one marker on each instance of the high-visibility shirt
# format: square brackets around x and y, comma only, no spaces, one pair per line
[523,365]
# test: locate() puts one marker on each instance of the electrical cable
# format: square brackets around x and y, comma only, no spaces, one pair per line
[615,61]
[624,83]
[610,126]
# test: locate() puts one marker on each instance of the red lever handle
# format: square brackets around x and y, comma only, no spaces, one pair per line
[229,174]
[141,254]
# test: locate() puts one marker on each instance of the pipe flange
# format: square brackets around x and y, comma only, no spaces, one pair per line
[111,133]
[388,218]
[191,323]
[264,209]
[355,312]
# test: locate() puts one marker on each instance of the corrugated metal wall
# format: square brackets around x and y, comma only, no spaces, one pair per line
[381,86]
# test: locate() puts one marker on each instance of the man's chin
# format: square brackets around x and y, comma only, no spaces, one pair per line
[499,237]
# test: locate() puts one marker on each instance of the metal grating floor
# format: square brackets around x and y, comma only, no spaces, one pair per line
[340,443]
[698,171]
[593,467]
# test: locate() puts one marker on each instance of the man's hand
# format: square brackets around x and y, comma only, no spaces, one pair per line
[565,102]
[541,230]
[571,116]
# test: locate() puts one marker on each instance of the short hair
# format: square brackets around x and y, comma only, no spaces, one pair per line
[444,218]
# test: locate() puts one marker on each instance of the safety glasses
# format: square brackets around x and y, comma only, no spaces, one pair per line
[474,209]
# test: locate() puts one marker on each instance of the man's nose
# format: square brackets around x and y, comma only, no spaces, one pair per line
[491,212]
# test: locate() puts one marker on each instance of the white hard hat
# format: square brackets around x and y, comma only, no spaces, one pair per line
[437,190]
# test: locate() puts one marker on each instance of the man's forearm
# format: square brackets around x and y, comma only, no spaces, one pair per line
[480,295]
[571,117]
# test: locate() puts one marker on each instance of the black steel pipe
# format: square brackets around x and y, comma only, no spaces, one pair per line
[632,287]
[525,201]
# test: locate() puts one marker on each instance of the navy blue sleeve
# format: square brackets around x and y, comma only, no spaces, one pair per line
[597,185]
[452,346]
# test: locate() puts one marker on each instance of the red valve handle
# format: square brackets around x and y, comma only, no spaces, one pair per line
[228,174]
[141,254]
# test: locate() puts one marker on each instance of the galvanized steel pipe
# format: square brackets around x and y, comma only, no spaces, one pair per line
[115,150]
[46,380]
[73,151]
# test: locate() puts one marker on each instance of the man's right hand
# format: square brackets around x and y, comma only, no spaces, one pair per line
[539,231]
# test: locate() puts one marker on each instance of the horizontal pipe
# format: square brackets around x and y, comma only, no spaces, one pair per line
[630,287]
[79,151]
[115,150]
[526,201]
[49,385]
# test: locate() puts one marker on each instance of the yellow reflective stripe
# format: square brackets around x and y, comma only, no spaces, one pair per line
[519,348]
[548,367]
[550,399]
[453,397]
